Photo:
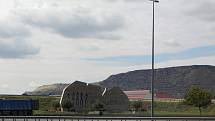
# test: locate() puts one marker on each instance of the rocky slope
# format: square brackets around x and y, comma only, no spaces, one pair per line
[54,89]
[174,81]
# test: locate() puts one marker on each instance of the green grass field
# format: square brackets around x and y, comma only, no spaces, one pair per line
[178,108]
[161,108]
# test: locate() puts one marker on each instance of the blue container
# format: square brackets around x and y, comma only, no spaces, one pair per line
[18,107]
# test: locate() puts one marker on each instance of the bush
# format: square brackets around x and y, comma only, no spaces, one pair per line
[98,106]
[67,104]
[198,97]
[137,106]
[56,105]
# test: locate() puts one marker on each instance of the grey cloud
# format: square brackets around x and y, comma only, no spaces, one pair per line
[108,36]
[204,10]
[17,49]
[135,0]
[76,24]
[13,30]
[171,43]
[89,48]
[129,0]
[13,44]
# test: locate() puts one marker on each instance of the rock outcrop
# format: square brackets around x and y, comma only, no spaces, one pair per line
[115,100]
[174,81]
[46,90]
[81,97]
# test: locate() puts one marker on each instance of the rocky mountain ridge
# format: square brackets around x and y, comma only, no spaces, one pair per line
[174,81]
[53,89]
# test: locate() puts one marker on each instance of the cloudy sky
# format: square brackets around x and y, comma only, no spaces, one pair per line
[60,41]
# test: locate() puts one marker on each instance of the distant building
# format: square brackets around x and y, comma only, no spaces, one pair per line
[146,95]
[138,95]
[163,95]
[82,96]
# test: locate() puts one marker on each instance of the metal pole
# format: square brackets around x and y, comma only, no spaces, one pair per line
[153,45]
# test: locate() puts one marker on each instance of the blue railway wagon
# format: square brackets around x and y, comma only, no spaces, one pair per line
[18,107]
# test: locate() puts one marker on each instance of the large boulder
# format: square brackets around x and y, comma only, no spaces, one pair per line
[115,100]
[80,96]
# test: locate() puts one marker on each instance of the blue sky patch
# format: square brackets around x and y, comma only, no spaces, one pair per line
[144,59]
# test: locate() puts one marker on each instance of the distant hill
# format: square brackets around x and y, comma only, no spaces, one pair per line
[54,89]
[174,81]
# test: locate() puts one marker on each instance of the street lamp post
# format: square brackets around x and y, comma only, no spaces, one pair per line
[153,53]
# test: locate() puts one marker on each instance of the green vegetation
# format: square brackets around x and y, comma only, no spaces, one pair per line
[49,106]
[67,105]
[198,97]
[137,106]
[56,105]
[179,108]
[98,106]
